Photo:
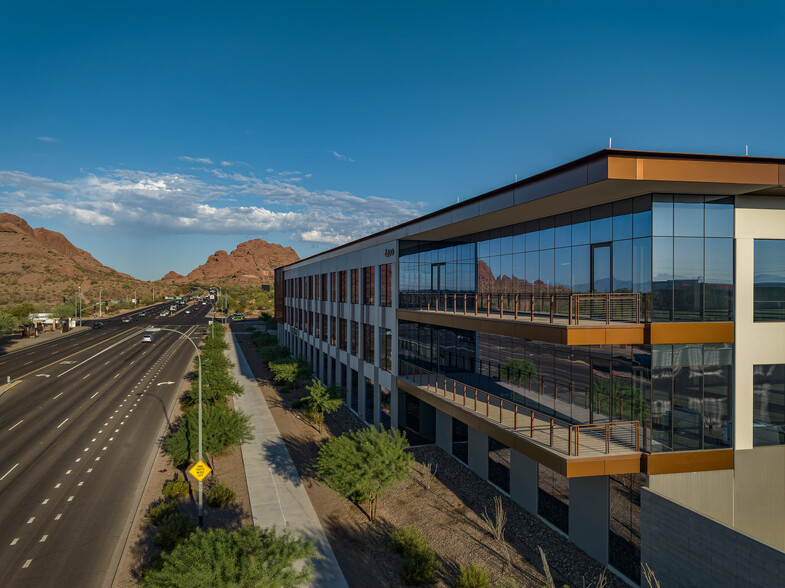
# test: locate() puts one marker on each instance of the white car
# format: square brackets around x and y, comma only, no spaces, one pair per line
[147,338]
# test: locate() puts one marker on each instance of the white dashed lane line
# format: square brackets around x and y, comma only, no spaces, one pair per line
[27,563]
[16,425]
[61,424]
[8,472]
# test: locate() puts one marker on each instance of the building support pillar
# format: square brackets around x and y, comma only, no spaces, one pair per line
[478,453]
[589,515]
[524,481]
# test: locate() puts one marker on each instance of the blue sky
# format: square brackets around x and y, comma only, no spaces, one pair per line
[154,133]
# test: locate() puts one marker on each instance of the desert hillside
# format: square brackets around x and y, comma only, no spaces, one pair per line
[43,267]
[252,262]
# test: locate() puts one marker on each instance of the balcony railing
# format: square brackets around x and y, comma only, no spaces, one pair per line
[553,308]
[561,436]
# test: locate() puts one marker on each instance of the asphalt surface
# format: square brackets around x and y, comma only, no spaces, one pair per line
[76,435]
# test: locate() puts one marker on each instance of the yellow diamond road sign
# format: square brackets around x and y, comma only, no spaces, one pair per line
[200,470]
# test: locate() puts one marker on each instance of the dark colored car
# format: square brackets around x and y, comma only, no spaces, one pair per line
[98,325]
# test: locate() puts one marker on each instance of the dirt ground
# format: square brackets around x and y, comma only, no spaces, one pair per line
[229,469]
[447,510]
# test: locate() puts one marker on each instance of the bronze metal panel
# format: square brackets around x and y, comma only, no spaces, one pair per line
[721,172]
[687,461]
[622,168]
[666,333]
[628,336]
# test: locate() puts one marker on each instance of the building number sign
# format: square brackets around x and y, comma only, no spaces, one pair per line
[389,252]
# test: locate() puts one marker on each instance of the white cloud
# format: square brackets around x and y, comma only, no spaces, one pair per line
[226,163]
[341,157]
[46,139]
[196,159]
[218,201]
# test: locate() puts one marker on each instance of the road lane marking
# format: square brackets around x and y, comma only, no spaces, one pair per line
[94,395]
[58,515]
[16,425]
[104,449]
[93,441]
[97,459]
[87,449]
[67,472]
[78,459]
[45,501]
[58,396]
[9,471]
[27,363]
[89,470]
[70,498]
[15,541]
[57,485]
[81,483]
[117,376]
[43,538]
[27,563]
[31,520]
[87,376]
[61,424]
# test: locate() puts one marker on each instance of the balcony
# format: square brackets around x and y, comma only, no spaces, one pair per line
[612,318]
[566,440]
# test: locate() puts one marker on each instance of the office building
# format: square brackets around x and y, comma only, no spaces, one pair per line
[604,342]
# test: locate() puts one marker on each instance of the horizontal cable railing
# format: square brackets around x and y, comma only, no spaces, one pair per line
[558,307]
[559,435]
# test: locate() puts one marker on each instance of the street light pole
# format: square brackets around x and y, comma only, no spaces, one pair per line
[199,358]
[80,306]
[99,302]
[136,300]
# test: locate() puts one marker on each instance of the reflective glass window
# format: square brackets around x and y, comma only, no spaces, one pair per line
[546,267]
[533,241]
[563,268]
[687,415]
[581,268]
[641,224]
[717,382]
[519,269]
[532,267]
[718,285]
[641,265]
[483,248]
[769,280]
[768,412]
[622,227]
[662,278]
[718,216]
[505,245]
[688,216]
[602,230]
[519,243]
[546,238]
[661,408]
[662,215]
[495,245]
[563,231]
[622,266]
[687,278]
[580,233]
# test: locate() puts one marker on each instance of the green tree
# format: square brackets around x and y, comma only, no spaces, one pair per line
[22,312]
[222,428]
[319,401]
[284,372]
[65,310]
[518,367]
[362,465]
[246,556]
[8,322]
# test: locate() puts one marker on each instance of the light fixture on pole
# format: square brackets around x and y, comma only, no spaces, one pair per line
[199,358]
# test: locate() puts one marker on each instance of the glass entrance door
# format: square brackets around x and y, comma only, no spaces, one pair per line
[601,267]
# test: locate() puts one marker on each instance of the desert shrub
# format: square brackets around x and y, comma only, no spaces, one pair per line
[419,560]
[157,511]
[472,576]
[176,488]
[219,494]
[173,529]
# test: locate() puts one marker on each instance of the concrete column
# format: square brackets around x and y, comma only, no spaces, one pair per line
[444,431]
[361,393]
[589,515]
[396,401]
[427,421]
[478,453]
[523,481]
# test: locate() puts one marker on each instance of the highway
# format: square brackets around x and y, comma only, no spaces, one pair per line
[76,436]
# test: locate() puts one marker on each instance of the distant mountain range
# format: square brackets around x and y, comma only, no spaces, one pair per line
[44,267]
[252,262]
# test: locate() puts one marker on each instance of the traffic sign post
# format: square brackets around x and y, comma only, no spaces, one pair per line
[200,470]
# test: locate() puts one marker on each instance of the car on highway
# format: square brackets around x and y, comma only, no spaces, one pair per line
[164,313]
[98,325]
[126,319]
[187,312]
[147,338]
[237,317]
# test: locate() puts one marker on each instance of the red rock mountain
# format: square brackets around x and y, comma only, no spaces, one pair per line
[251,262]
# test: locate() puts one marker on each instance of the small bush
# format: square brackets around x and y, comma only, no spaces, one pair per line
[173,529]
[176,488]
[218,495]
[472,576]
[419,561]
[159,510]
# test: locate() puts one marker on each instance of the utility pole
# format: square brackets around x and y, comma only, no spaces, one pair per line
[80,306]
[99,303]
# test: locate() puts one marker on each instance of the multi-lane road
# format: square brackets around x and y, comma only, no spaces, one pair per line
[76,436]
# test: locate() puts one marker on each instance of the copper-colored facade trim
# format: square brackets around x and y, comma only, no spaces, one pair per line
[679,462]
[618,334]
[664,333]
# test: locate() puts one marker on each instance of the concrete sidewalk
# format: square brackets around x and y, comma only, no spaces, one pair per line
[277,494]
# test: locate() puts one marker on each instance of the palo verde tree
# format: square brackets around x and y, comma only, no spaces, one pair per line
[362,465]
[222,429]
[246,556]
[319,401]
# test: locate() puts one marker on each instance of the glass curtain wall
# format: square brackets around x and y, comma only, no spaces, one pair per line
[675,249]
